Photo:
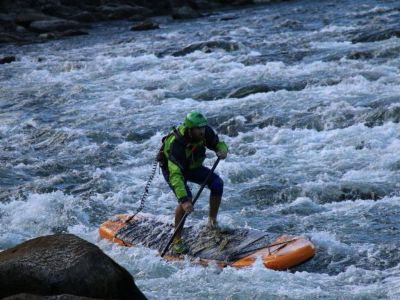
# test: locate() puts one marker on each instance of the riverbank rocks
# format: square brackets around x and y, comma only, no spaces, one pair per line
[63,264]
[25,21]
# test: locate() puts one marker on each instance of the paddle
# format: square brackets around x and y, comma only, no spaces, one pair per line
[193,202]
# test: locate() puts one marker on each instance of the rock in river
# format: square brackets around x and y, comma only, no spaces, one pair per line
[63,264]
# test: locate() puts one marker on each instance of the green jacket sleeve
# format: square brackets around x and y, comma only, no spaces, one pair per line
[221,146]
[176,181]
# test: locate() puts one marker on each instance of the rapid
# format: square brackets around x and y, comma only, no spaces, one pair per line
[309,109]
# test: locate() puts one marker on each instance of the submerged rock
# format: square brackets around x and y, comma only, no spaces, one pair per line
[7,59]
[63,264]
[381,115]
[251,89]
[376,35]
[207,47]
[360,55]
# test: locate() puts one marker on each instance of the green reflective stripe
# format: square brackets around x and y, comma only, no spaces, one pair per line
[176,180]
[181,129]
[221,146]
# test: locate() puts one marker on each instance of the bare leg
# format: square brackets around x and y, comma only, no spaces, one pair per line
[179,213]
[215,201]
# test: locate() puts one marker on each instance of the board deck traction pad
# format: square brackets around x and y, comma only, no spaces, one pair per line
[226,245]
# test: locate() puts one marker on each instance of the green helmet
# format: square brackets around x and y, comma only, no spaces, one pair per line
[194,119]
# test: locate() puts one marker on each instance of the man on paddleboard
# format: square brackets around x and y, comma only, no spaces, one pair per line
[181,160]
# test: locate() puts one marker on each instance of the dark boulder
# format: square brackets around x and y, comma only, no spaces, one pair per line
[7,59]
[146,25]
[63,264]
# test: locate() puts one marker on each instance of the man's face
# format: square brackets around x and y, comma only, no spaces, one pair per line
[198,133]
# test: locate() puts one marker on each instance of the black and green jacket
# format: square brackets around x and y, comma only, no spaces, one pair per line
[182,155]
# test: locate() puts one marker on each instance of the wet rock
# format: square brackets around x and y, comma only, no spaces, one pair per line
[146,25]
[269,194]
[376,35]
[360,146]
[63,264]
[381,115]
[364,191]
[292,24]
[73,32]
[307,121]
[54,25]
[207,47]
[229,18]
[277,121]
[7,59]
[360,55]
[251,89]
[209,95]
[138,136]
[233,126]
[328,193]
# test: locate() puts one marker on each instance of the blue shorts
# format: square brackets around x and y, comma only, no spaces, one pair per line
[199,175]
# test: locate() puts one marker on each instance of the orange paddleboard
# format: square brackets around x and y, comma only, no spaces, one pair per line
[237,248]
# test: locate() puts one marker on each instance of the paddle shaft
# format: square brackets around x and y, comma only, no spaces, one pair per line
[180,225]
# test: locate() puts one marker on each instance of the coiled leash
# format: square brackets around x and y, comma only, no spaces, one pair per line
[159,159]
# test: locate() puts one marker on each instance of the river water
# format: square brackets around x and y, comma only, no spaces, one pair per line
[311,119]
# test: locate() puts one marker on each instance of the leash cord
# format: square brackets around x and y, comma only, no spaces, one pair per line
[146,191]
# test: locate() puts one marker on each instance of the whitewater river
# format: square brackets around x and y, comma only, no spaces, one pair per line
[309,110]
